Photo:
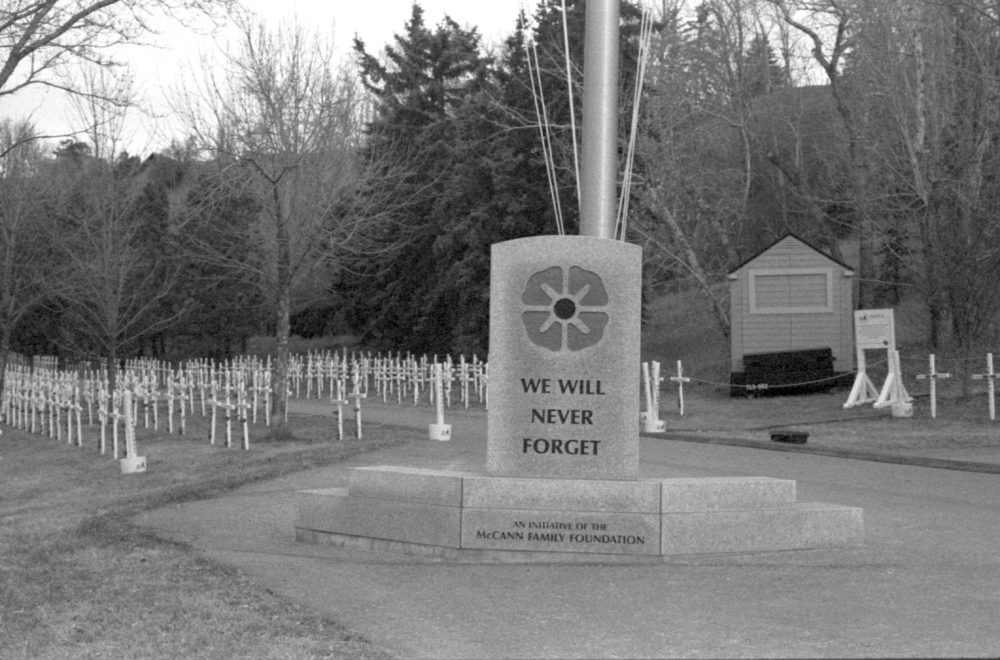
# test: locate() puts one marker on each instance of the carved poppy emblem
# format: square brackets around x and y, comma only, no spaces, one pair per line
[562,308]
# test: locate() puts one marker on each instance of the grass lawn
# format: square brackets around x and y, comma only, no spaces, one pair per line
[77,580]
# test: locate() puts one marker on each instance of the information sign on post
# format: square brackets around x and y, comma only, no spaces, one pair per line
[875,329]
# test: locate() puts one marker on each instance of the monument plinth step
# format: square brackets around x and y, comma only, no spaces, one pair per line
[426,509]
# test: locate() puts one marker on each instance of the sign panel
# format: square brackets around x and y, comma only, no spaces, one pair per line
[874,329]
[564,358]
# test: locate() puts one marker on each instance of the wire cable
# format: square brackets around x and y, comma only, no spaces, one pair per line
[572,105]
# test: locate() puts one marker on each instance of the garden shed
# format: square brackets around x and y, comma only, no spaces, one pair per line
[791,313]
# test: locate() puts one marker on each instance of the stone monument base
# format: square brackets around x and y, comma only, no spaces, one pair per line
[459,515]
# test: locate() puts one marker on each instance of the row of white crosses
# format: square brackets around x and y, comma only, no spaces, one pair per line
[43,401]
[347,379]
[342,380]
[239,388]
[40,400]
[990,376]
[388,376]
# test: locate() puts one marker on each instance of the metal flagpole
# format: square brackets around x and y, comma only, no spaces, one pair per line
[599,159]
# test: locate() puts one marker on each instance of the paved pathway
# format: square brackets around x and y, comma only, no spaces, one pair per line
[926,582]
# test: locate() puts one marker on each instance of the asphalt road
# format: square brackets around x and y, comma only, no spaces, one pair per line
[926,583]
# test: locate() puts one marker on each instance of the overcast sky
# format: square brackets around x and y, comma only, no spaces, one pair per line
[157,70]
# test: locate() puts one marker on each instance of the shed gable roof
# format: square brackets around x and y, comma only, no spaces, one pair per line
[797,239]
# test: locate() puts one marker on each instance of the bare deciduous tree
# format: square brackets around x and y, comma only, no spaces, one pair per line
[282,127]
[116,263]
[39,37]
[829,26]
[24,250]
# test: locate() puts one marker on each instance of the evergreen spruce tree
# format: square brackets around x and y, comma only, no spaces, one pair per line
[466,125]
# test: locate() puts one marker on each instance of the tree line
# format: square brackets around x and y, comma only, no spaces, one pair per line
[309,195]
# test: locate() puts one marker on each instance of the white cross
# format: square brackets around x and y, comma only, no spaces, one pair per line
[932,377]
[990,377]
[680,380]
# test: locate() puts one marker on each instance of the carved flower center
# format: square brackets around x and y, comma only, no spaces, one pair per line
[564,309]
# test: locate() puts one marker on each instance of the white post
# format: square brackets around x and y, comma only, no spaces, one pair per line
[79,426]
[990,378]
[932,377]
[243,404]
[55,408]
[990,386]
[68,402]
[170,406]
[446,379]
[656,380]
[863,390]
[310,373]
[599,157]
[901,405]
[357,395]
[643,416]
[267,400]
[651,422]
[188,376]
[131,463]
[416,369]
[439,430]
[128,421]
[88,394]
[156,405]
[214,403]
[114,425]
[229,417]
[204,375]
[680,380]
[340,402]
[385,376]
[183,386]
[464,379]
[255,389]
[102,415]
[181,398]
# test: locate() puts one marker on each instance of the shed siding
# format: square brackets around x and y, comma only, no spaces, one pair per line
[790,290]
[758,331]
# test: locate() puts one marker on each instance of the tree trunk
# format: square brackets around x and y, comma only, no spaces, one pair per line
[4,352]
[689,258]
[865,229]
[932,284]
[279,385]
[283,322]
[111,365]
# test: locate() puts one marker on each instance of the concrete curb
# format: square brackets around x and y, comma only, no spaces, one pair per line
[919,461]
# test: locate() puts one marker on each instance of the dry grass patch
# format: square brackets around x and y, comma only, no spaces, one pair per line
[77,580]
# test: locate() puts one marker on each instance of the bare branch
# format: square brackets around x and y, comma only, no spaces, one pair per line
[37,37]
